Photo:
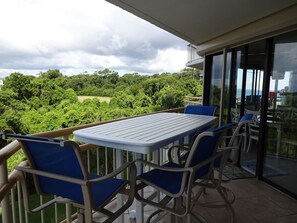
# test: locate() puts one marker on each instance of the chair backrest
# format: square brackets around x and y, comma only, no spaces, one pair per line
[256,115]
[200,110]
[246,117]
[58,157]
[204,146]
[236,138]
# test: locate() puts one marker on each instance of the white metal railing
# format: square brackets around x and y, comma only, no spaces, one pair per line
[190,100]
[97,159]
[192,53]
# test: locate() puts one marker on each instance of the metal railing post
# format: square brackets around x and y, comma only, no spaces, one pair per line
[6,213]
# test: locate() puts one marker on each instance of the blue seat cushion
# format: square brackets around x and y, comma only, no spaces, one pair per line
[100,192]
[166,180]
[103,191]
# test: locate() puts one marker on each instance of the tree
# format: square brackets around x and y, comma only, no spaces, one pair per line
[142,100]
[20,84]
[170,98]
[122,100]
[51,74]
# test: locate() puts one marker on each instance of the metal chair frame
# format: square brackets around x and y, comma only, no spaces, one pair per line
[180,203]
[84,210]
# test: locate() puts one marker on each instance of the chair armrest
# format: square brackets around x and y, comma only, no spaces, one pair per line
[228,148]
[165,168]
[179,149]
[51,175]
[75,180]
[116,172]
[183,169]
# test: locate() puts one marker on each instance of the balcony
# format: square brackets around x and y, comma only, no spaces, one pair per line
[255,200]
[194,60]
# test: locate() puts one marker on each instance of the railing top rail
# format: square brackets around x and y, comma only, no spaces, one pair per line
[13,147]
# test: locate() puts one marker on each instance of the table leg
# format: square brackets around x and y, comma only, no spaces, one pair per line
[120,202]
[139,205]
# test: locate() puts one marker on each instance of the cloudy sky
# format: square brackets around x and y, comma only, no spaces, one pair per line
[82,35]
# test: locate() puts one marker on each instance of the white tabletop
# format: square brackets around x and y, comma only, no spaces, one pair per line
[144,134]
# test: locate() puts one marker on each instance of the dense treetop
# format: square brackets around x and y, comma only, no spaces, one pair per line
[30,104]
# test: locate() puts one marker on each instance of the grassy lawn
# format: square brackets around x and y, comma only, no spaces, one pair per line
[102,99]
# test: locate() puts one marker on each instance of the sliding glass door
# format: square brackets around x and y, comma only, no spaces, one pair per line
[272,153]
[280,163]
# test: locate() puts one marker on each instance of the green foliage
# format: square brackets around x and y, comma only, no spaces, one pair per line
[48,102]
[122,100]
[19,84]
[170,98]
[36,104]
[51,74]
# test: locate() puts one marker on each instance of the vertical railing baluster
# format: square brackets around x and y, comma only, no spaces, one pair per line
[106,161]
[127,161]
[13,205]
[68,213]
[26,217]
[98,160]
[114,159]
[6,214]
[56,212]
[41,212]
[161,156]
[88,160]
[20,203]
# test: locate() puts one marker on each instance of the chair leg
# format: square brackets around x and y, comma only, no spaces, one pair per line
[249,145]
[197,218]
[228,205]
[80,215]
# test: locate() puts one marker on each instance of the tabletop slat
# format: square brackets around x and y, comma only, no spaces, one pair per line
[146,133]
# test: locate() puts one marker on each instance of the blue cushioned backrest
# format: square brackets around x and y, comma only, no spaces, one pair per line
[206,146]
[200,110]
[246,117]
[53,158]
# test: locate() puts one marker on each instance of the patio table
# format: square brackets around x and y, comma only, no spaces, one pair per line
[143,135]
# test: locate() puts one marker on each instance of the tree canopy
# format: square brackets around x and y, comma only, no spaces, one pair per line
[30,104]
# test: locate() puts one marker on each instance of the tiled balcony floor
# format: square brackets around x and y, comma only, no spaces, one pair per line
[256,202]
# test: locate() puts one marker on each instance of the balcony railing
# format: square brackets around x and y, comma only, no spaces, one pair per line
[194,60]
[98,159]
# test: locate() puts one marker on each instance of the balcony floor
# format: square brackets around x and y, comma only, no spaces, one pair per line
[256,202]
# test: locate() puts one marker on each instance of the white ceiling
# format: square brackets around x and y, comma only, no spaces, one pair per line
[198,21]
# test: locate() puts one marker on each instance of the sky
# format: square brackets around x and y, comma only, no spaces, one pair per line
[83,35]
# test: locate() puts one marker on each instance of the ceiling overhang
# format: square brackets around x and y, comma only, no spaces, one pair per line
[199,21]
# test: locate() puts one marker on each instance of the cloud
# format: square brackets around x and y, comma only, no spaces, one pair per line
[78,35]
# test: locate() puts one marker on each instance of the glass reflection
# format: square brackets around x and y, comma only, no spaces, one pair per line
[280,164]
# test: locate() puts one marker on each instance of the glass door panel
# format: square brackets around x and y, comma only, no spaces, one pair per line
[251,95]
[236,85]
[280,161]
[216,81]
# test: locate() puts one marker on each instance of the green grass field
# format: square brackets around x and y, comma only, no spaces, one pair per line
[102,99]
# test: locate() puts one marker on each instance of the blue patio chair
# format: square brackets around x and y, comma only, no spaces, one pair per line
[176,181]
[229,158]
[58,169]
[198,110]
